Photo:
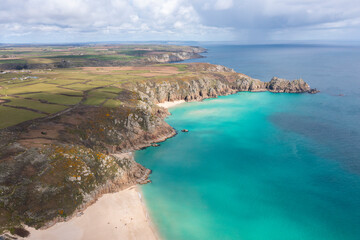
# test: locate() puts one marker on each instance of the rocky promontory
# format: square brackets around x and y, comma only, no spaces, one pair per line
[214,81]
[282,85]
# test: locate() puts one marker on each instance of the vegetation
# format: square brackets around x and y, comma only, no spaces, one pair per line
[63,110]
[68,173]
[10,116]
[36,105]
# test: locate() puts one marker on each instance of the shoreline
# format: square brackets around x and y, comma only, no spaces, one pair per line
[106,218]
[119,215]
[87,223]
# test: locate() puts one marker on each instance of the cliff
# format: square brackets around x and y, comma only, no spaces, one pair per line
[170,57]
[283,85]
[176,56]
[52,167]
[214,81]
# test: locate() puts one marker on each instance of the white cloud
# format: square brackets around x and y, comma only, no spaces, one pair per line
[223,4]
[88,20]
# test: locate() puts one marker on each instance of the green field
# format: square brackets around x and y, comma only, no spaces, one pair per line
[36,105]
[37,81]
[11,116]
[28,95]
[54,98]
[97,97]
[112,103]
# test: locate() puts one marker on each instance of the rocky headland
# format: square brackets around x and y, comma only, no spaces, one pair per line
[53,167]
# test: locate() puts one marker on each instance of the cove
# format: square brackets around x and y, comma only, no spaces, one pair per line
[255,166]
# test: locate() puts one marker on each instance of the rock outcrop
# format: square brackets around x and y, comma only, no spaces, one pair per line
[282,85]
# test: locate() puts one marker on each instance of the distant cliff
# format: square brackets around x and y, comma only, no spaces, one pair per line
[167,57]
[170,57]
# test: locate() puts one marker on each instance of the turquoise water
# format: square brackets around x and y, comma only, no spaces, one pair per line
[262,165]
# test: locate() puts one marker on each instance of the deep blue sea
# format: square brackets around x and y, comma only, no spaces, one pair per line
[264,166]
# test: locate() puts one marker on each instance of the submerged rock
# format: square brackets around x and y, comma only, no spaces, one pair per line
[313,91]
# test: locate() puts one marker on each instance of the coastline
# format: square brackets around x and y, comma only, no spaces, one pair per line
[120,215]
[89,219]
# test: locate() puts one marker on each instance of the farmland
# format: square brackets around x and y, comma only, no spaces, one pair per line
[32,94]
[39,81]
[58,56]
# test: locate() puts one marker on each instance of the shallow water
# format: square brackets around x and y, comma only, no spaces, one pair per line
[262,165]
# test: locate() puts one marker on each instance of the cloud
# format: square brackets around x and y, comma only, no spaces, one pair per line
[116,20]
[287,19]
[223,4]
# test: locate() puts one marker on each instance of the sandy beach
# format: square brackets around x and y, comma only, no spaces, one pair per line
[120,215]
[170,104]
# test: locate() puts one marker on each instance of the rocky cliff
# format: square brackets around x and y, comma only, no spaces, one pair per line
[170,57]
[215,81]
[167,57]
[283,85]
[50,169]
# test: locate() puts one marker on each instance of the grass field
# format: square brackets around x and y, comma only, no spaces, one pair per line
[36,81]
[97,97]
[54,98]
[27,95]
[36,105]
[111,103]
[11,116]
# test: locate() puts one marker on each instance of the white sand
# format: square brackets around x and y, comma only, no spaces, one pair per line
[170,104]
[120,215]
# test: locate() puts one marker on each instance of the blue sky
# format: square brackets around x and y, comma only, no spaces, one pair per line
[250,21]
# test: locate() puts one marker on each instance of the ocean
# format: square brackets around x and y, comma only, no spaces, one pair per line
[257,166]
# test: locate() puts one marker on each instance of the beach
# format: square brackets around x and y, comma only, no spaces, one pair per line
[170,104]
[120,215]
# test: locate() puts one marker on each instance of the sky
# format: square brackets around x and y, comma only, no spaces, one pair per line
[248,21]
